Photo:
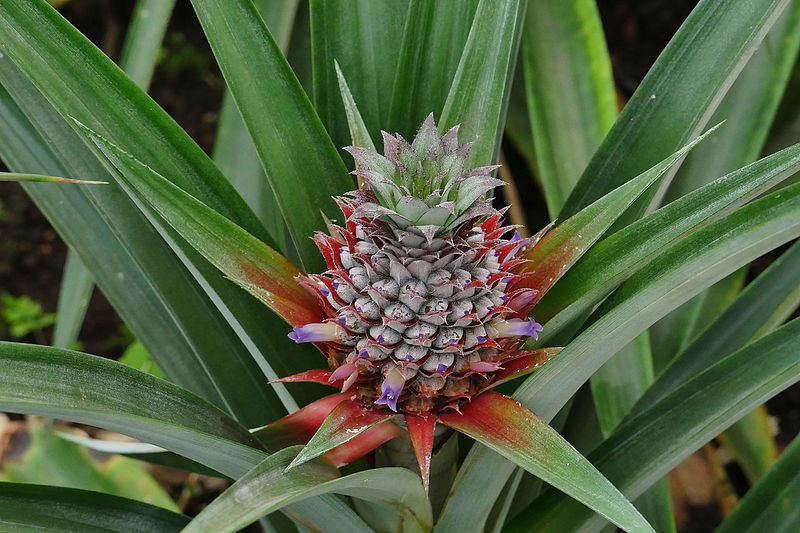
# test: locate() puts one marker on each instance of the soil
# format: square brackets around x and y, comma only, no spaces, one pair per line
[189,86]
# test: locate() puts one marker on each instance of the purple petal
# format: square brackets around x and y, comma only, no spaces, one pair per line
[391,388]
[517,327]
[315,332]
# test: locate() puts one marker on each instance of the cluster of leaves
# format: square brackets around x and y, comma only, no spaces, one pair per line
[643,271]
[23,315]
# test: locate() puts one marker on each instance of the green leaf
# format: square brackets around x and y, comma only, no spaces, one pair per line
[362,36]
[143,40]
[73,67]
[359,134]
[25,508]
[430,50]
[669,280]
[24,315]
[764,305]
[771,505]
[678,95]
[748,108]
[479,94]
[76,289]
[621,381]
[234,151]
[49,460]
[570,91]
[91,390]
[612,260]
[82,82]
[646,447]
[190,340]
[244,259]
[559,249]
[300,160]
[270,485]
[10,176]
[510,429]
[138,59]
[615,387]
[74,386]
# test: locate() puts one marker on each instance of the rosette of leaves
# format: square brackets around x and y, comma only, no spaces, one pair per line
[424,299]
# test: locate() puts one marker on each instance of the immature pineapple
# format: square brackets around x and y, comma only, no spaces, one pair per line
[420,289]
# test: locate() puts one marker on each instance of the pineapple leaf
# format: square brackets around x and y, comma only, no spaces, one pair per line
[359,135]
[74,386]
[82,82]
[765,303]
[570,91]
[558,250]
[478,97]
[646,447]
[271,486]
[431,46]
[362,36]
[608,263]
[11,176]
[513,431]
[769,505]
[348,420]
[300,160]
[26,507]
[677,97]
[421,431]
[256,267]
[671,279]
[189,339]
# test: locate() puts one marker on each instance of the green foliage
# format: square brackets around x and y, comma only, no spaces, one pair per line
[23,315]
[50,460]
[640,279]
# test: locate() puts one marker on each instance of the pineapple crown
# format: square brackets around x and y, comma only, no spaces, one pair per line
[424,184]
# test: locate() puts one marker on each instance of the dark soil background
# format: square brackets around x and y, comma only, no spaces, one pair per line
[189,86]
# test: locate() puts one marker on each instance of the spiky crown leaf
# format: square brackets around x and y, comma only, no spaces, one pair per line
[426,183]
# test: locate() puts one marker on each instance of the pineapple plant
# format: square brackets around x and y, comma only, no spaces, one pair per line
[236,271]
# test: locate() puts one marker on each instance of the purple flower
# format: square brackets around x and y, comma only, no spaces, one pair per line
[315,332]
[518,327]
[391,388]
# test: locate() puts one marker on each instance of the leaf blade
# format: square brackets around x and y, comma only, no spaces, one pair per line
[270,485]
[478,96]
[25,507]
[678,95]
[515,432]
[687,418]
[301,162]
[570,91]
